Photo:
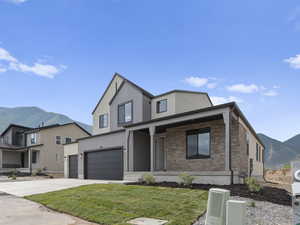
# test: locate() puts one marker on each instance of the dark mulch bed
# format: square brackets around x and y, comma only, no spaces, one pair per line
[270,194]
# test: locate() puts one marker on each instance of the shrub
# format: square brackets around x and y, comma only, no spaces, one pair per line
[13,174]
[252,204]
[186,179]
[13,177]
[37,172]
[148,178]
[287,166]
[253,185]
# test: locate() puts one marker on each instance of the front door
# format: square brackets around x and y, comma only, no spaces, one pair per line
[22,159]
[160,154]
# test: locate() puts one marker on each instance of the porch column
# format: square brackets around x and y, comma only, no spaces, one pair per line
[126,150]
[152,133]
[226,116]
[29,160]
[1,157]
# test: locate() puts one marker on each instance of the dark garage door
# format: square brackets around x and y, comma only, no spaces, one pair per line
[73,166]
[104,164]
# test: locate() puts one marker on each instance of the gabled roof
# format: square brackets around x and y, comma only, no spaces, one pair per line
[232,105]
[57,125]
[14,125]
[124,79]
[129,82]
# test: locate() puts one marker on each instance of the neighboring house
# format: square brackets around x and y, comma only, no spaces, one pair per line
[135,132]
[27,149]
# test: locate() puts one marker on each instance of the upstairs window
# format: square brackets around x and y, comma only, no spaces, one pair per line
[162,106]
[125,113]
[68,140]
[198,143]
[103,121]
[58,140]
[33,139]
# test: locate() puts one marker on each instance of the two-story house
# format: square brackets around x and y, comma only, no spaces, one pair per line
[135,132]
[27,149]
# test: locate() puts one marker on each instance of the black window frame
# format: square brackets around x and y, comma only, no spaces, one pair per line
[158,104]
[198,131]
[120,123]
[34,157]
[68,140]
[58,140]
[101,126]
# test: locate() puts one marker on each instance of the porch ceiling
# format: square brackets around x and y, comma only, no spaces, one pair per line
[162,128]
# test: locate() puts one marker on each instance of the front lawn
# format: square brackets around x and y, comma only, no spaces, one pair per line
[115,204]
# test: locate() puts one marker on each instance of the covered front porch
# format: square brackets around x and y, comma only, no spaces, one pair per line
[20,160]
[165,148]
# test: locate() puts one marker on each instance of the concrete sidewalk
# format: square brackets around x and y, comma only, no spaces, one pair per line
[16,211]
[25,188]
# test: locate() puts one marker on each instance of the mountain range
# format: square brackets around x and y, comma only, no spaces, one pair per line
[33,117]
[277,153]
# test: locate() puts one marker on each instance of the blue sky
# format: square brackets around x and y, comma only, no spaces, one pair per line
[60,54]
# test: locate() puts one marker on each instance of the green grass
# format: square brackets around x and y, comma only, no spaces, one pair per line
[115,204]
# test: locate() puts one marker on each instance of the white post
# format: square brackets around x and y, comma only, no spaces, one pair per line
[226,116]
[29,160]
[1,161]
[126,151]
[152,132]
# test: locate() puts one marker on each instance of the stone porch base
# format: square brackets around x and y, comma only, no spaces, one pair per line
[202,177]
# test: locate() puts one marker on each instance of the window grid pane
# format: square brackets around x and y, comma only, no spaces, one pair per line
[162,106]
[203,144]
[125,113]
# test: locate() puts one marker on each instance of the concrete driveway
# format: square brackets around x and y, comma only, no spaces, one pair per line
[16,211]
[25,188]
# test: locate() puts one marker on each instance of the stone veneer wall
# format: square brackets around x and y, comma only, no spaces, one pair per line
[239,158]
[176,148]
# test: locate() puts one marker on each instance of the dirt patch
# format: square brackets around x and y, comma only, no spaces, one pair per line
[270,194]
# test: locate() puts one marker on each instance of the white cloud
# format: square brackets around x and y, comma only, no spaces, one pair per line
[38,69]
[3,70]
[211,85]
[44,70]
[294,62]
[271,93]
[6,56]
[196,81]
[243,88]
[16,1]
[221,100]
[201,82]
